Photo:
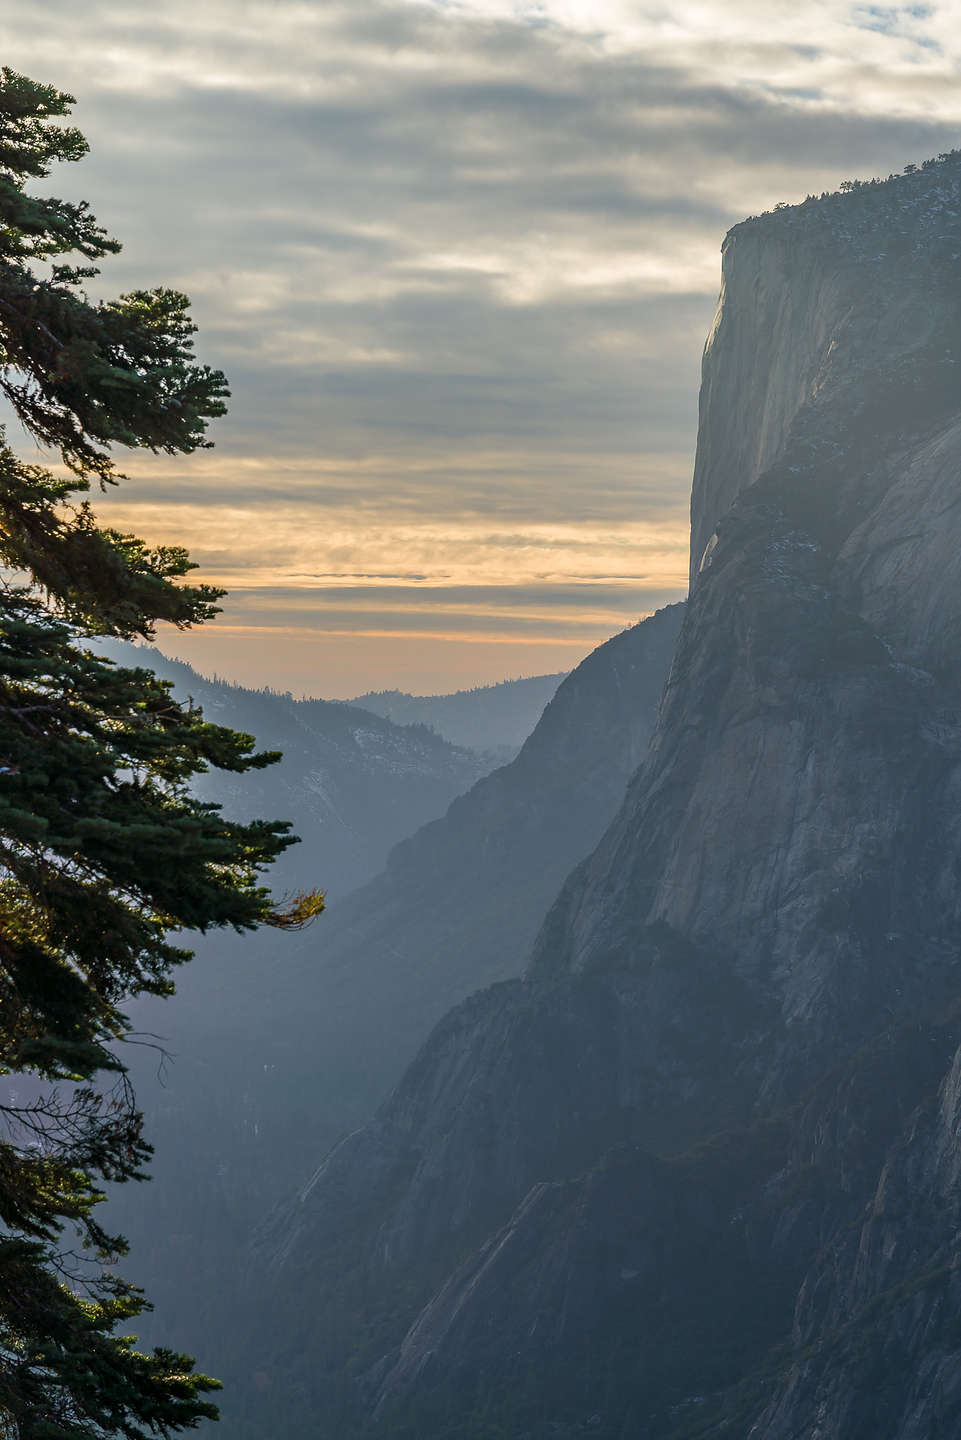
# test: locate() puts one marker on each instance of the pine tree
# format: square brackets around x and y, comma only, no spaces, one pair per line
[103,850]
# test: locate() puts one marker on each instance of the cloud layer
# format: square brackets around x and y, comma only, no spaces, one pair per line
[458,261]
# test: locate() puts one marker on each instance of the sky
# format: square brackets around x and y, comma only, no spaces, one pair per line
[458,261]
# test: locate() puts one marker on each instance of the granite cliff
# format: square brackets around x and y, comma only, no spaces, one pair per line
[696,1173]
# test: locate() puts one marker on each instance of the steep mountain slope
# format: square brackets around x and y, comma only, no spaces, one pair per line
[352,783]
[489,717]
[695,1174]
[460,902]
[283,1044]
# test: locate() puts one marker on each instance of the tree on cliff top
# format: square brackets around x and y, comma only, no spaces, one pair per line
[103,850]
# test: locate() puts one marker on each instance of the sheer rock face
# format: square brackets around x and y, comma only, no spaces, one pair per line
[851,295]
[903,562]
[796,768]
[697,1173]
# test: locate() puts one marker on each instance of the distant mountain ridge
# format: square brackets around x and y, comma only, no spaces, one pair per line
[485,718]
[352,783]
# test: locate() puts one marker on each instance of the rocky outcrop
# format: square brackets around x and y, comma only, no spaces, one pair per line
[696,1173]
